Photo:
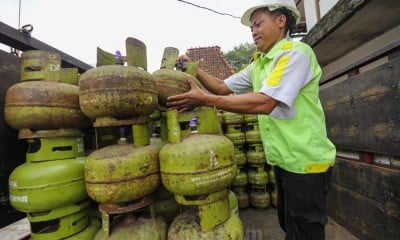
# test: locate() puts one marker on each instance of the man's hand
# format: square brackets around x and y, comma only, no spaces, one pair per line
[187,101]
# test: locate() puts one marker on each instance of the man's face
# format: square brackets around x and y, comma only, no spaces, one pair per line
[266,29]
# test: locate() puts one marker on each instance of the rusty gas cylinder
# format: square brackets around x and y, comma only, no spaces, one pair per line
[241,178]
[240,155]
[169,81]
[165,204]
[250,118]
[235,134]
[122,172]
[44,105]
[260,199]
[132,227]
[117,91]
[258,177]
[242,197]
[274,198]
[186,227]
[271,175]
[40,65]
[252,133]
[231,118]
[255,154]
[198,164]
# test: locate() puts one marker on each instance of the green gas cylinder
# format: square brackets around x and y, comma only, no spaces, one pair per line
[255,154]
[252,133]
[258,177]
[271,175]
[240,155]
[169,81]
[241,178]
[260,198]
[186,226]
[89,232]
[123,172]
[117,91]
[53,175]
[132,227]
[40,65]
[61,222]
[242,197]
[231,118]
[165,204]
[250,118]
[44,105]
[198,164]
[42,186]
[235,134]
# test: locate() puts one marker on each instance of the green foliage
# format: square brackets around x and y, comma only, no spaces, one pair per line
[240,56]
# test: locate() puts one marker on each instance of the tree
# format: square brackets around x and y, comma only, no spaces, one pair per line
[240,56]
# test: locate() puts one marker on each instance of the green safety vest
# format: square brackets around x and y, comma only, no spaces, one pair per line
[298,144]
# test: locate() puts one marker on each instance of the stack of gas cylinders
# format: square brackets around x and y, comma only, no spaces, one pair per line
[254,183]
[148,172]
[50,186]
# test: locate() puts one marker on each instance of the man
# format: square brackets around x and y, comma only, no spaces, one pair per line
[281,86]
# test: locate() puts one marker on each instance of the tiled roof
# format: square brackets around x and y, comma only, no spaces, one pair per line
[211,60]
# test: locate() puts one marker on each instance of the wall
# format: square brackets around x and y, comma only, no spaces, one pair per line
[311,11]
[360,93]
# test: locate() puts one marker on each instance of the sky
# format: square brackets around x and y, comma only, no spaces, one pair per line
[78,27]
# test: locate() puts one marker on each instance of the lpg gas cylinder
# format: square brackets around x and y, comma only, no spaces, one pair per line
[169,81]
[258,177]
[198,164]
[133,227]
[122,172]
[60,223]
[241,178]
[186,226]
[89,232]
[231,118]
[42,186]
[235,134]
[44,105]
[40,65]
[260,199]
[117,91]
[252,133]
[255,154]
[274,197]
[250,118]
[242,197]
[271,175]
[53,175]
[240,155]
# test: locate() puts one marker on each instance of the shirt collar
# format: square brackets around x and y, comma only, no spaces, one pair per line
[271,53]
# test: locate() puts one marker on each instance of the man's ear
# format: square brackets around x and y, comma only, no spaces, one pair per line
[281,20]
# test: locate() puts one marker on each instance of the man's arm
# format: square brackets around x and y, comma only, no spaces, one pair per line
[213,84]
[250,103]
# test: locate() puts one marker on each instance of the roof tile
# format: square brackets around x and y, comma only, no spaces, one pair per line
[211,60]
